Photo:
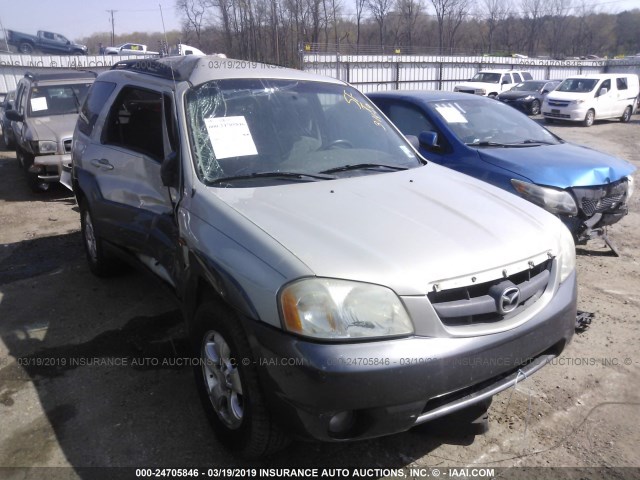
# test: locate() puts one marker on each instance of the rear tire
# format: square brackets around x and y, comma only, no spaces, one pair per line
[25,48]
[626,115]
[100,264]
[227,382]
[589,118]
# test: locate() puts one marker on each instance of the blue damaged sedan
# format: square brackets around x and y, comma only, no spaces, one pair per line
[587,189]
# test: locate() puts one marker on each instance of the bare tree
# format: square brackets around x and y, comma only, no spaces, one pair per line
[380,9]
[360,4]
[193,15]
[449,15]
[409,11]
[534,13]
[495,12]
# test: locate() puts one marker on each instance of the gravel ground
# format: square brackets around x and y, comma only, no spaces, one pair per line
[583,411]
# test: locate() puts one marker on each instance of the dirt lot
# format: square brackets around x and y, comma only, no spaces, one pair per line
[582,411]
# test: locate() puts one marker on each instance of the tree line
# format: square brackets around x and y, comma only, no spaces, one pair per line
[275,31]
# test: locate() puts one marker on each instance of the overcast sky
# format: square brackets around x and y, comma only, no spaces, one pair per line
[80,18]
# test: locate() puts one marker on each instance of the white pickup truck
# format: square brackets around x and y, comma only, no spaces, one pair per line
[129,49]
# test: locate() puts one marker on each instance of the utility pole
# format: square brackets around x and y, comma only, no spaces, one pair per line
[113,26]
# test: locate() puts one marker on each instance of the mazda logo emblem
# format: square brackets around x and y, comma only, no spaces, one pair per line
[508,300]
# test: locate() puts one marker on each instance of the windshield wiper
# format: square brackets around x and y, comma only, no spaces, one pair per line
[251,176]
[523,144]
[362,166]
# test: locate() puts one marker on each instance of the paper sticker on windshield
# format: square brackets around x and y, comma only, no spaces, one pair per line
[451,114]
[230,137]
[38,104]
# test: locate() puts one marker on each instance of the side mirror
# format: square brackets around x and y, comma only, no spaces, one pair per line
[603,91]
[169,170]
[14,116]
[429,140]
[413,140]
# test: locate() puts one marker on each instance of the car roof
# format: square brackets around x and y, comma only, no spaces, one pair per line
[499,70]
[200,69]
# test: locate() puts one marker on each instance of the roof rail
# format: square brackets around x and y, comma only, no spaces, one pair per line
[148,66]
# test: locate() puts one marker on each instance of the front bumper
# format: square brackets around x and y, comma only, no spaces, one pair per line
[570,113]
[390,386]
[49,167]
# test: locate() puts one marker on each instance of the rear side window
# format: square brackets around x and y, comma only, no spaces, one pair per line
[527,76]
[517,78]
[135,122]
[98,95]
[621,83]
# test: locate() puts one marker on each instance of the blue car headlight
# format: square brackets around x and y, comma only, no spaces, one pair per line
[551,199]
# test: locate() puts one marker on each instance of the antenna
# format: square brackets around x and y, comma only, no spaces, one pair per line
[166,41]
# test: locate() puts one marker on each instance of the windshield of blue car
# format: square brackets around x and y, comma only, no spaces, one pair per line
[265,128]
[529,86]
[484,122]
[486,77]
[49,100]
[577,85]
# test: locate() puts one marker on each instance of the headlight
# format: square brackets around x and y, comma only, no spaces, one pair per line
[341,309]
[630,187]
[567,253]
[43,147]
[481,91]
[551,199]
[577,102]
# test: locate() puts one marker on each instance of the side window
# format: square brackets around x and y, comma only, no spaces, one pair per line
[127,46]
[135,122]
[47,35]
[621,83]
[606,84]
[408,119]
[506,78]
[527,76]
[517,78]
[98,95]
[19,95]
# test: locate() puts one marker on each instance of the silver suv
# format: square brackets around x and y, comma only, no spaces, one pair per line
[336,285]
[42,122]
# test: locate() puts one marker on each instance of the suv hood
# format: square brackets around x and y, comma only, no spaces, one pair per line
[568,96]
[406,230]
[55,127]
[477,85]
[564,165]
[511,95]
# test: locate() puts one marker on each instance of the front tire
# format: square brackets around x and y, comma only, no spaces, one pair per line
[8,141]
[227,382]
[535,107]
[589,118]
[626,115]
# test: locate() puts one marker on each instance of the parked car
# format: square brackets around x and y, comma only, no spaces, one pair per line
[587,189]
[129,49]
[490,83]
[46,42]
[593,97]
[362,289]
[528,96]
[5,123]
[42,122]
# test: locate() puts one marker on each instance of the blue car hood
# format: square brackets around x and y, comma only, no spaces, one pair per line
[564,165]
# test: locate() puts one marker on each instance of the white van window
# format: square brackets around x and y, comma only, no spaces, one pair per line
[621,83]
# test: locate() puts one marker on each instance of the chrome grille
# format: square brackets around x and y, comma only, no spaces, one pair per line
[478,304]
[601,198]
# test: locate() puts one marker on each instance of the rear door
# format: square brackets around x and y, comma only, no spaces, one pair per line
[606,103]
[624,96]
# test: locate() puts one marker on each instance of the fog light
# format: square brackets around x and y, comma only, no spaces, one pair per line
[341,422]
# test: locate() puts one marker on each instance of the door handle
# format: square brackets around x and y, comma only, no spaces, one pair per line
[102,163]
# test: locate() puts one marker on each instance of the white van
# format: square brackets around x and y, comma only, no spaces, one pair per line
[585,98]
